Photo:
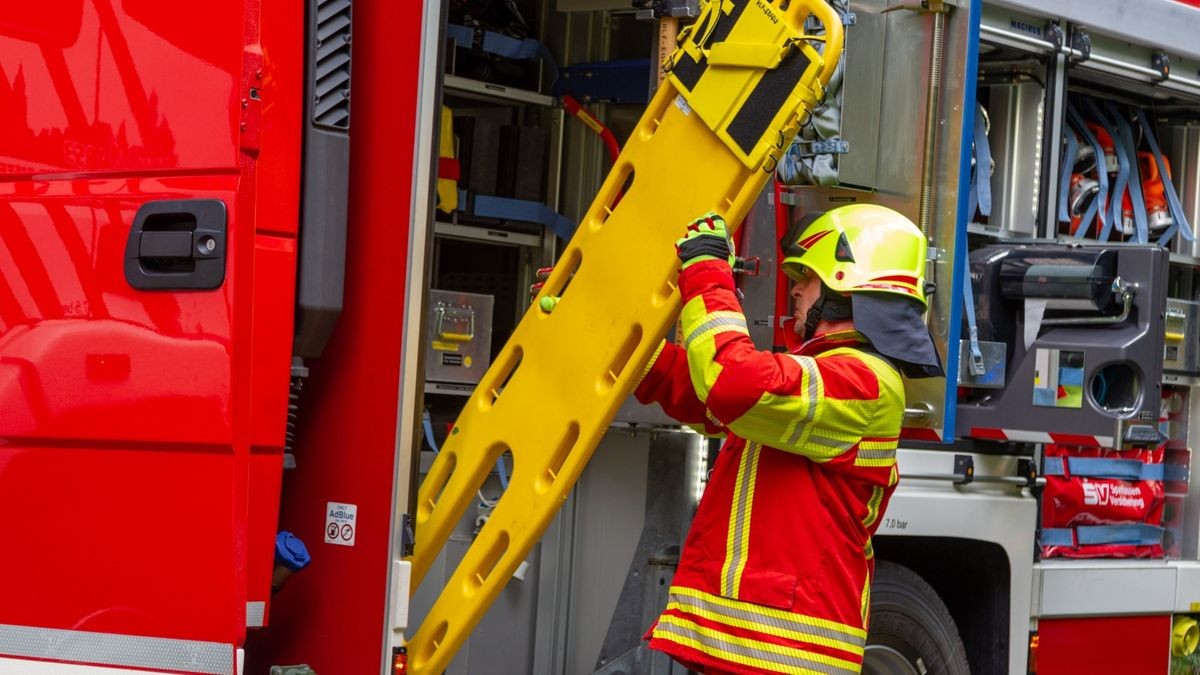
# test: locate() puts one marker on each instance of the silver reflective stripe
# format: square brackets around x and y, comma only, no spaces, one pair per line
[713,323]
[778,622]
[255,613]
[833,443]
[889,453]
[810,369]
[741,516]
[110,649]
[795,662]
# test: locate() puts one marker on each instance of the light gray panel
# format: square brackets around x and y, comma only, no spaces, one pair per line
[503,642]
[1182,145]
[1165,24]
[1015,141]
[116,650]
[862,84]
[902,112]
[1106,587]
[758,238]
[610,505]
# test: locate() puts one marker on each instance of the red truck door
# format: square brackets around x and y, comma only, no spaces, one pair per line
[148,206]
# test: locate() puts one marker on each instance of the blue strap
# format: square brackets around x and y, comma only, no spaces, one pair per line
[427,427]
[975,367]
[1175,472]
[1064,178]
[1125,137]
[981,178]
[1139,534]
[1123,163]
[503,45]
[1093,209]
[462,36]
[1102,467]
[1180,219]
[522,210]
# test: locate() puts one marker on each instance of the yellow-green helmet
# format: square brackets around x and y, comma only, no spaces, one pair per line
[860,247]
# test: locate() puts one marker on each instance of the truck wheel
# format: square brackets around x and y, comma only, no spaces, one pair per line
[911,632]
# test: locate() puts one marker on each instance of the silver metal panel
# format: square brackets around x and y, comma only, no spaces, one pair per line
[1002,514]
[111,649]
[503,641]
[1187,586]
[27,667]
[758,238]
[1016,144]
[905,78]
[1005,27]
[1182,145]
[1165,24]
[486,234]
[610,506]
[1099,587]
[460,336]
[993,354]
[862,86]
[1191,503]
[490,91]
[1182,352]
[255,613]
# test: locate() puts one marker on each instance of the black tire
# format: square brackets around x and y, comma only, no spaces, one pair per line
[911,631]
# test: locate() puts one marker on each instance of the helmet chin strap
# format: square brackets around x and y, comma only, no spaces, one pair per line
[830,306]
[813,318]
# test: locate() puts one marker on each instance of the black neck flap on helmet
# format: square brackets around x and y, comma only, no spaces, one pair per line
[896,328]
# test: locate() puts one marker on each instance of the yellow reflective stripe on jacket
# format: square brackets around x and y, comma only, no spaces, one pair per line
[876,453]
[865,603]
[737,544]
[714,323]
[787,422]
[748,616]
[776,617]
[737,649]
[873,506]
[700,329]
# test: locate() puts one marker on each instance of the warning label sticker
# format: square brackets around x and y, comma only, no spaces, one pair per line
[340,523]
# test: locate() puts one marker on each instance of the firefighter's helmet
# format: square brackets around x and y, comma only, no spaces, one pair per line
[876,256]
[861,247]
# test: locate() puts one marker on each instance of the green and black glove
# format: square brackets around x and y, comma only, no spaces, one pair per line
[707,238]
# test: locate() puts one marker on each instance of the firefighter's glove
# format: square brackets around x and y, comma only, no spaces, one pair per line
[707,238]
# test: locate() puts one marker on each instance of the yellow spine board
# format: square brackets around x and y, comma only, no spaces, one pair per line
[708,141]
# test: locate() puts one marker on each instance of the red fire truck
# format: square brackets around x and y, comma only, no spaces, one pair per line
[218,315]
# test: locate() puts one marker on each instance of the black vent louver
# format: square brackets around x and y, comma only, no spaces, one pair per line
[331,64]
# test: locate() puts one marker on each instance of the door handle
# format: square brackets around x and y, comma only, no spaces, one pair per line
[177,244]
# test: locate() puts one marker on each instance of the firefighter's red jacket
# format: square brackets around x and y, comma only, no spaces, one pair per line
[776,570]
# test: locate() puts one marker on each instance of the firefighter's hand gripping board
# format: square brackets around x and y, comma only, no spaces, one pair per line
[744,75]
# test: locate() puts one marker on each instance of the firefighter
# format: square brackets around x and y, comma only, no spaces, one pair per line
[776,570]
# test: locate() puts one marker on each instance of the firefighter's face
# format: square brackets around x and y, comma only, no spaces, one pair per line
[805,291]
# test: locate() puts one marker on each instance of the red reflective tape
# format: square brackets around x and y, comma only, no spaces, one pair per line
[990,434]
[808,241]
[902,278]
[1076,439]
[920,434]
[448,168]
